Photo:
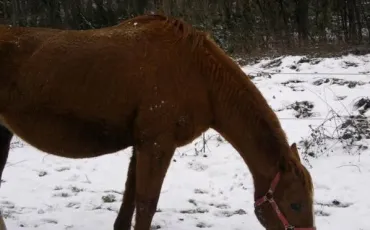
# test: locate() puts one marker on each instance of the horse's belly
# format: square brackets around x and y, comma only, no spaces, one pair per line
[66,136]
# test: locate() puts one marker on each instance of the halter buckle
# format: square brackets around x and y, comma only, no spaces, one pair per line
[289,227]
[269,195]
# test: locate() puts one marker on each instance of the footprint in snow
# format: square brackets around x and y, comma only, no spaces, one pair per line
[42,173]
[62,194]
[321,213]
[49,221]
[197,166]
[220,206]
[75,205]
[203,225]
[194,211]
[62,169]
[200,191]
[227,213]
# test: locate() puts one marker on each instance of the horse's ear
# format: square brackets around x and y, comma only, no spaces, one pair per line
[294,150]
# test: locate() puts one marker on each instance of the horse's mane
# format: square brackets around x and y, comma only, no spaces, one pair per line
[183,30]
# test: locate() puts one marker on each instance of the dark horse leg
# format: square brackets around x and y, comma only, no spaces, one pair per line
[124,218]
[5,138]
[153,160]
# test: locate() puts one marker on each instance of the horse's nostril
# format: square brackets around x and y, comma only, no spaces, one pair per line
[260,217]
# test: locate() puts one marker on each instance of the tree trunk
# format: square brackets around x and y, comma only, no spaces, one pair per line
[358,22]
[302,19]
[139,6]
[351,21]
[15,12]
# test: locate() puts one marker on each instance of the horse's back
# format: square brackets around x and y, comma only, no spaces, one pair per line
[133,75]
[95,70]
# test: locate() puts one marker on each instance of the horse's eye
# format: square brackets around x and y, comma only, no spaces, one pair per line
[296,206]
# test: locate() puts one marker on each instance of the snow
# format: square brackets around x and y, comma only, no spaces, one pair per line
[212,188]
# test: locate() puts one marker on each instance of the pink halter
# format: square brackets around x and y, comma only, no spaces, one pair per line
[269,197]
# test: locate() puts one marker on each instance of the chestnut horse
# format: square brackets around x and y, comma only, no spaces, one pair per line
[154,83]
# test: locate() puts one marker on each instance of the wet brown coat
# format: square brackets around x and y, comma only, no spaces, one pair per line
[151,82]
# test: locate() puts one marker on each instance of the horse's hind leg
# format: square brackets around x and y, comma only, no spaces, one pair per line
[124,218]
[5,138]
[153,160]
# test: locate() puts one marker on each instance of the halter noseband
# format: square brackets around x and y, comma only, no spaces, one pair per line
[270,198]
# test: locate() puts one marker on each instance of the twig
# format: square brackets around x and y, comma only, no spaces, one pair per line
[87,179]
[350,166]
[12,164]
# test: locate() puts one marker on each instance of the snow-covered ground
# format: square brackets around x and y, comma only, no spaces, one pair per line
[213,188]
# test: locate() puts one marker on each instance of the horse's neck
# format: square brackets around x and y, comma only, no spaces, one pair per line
[245,119]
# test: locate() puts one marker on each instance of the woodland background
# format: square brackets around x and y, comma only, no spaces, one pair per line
[239,26]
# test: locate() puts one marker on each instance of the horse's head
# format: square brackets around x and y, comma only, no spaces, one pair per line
[288,204]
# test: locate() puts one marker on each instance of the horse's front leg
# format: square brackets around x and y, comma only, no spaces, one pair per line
[2,223]
[124,218]
[5,138]
[153,160]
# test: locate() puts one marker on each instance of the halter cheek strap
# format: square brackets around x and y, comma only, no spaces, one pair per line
[270,198]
